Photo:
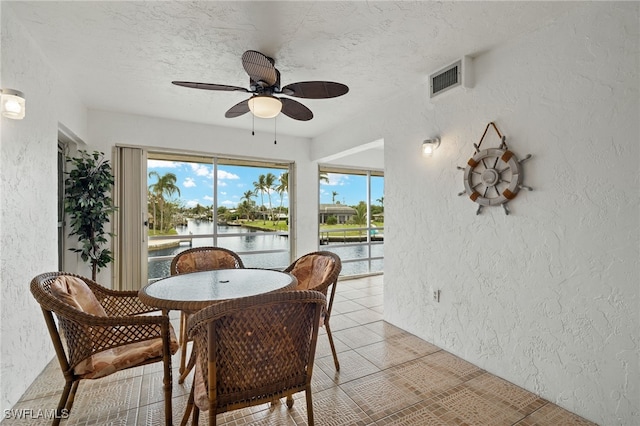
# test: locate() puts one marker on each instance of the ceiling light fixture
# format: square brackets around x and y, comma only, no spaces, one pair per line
[265,106]
[430,145]
[12,104]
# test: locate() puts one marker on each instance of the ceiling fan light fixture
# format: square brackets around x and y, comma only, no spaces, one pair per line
[265,106]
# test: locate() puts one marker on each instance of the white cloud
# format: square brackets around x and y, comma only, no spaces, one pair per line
[208,198]
[223,193]
[228,203]
[201,169]
[191,203]
[222,174]
[189,183]
[222,183]
[336,179]
[162,164]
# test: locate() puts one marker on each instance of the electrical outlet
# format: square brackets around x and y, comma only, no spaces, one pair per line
[436,295]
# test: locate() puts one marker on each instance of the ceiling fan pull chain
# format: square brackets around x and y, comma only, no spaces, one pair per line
[253,125]
[275,130]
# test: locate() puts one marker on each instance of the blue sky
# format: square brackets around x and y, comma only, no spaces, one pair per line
[195,181]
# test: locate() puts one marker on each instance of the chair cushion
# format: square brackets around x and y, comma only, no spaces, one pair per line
[205,261]
[107,362]
[311,271]
[76,293]
[200,396]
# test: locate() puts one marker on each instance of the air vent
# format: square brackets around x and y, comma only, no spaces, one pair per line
[451,76]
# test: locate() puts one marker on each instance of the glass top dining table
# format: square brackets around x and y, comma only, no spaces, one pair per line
[196,290]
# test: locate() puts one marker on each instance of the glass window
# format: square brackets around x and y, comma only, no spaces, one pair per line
[351,218]
[245,208]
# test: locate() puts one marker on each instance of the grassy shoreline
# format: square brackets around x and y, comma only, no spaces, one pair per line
[335,231]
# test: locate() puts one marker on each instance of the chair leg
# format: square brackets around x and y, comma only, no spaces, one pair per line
[72,396]
[62,404]
[187,411]
[167,380]
[307,393]
[183,342]
[333,348]
[183,324]
[188,368]
[196,415]
[290,401]
[213,412]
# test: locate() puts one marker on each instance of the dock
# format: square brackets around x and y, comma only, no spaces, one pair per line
[168,243]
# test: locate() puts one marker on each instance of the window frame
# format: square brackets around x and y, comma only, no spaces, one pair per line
[216,161]
[368,229]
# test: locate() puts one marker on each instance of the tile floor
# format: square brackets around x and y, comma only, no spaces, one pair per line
[387,377]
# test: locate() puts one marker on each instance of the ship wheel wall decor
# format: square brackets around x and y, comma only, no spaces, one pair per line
[493,176]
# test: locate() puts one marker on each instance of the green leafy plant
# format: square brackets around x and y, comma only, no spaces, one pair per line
[89,205]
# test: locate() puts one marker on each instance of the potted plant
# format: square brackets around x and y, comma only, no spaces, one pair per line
[89,205]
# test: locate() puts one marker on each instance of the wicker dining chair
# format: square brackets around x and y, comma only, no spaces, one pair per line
[195,260]
[101,331]
[254,350]
[319,271]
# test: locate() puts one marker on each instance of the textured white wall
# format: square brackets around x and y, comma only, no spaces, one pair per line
[28,209]
[547,297]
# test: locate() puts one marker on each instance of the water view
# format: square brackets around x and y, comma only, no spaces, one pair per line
[258,249]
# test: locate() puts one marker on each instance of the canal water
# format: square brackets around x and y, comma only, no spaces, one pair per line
[253,240]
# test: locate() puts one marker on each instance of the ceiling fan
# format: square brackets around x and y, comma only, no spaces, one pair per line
[264,83]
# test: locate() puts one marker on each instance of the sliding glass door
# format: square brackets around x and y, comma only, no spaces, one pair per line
[239,204]
[351,218]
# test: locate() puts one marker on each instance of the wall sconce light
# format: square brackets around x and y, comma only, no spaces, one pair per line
[12,104]
[265,106]
[430,145]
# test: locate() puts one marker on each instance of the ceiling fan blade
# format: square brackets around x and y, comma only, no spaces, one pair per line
[315,89]
[295,110]
[209,86]
[238,109]
[259,67]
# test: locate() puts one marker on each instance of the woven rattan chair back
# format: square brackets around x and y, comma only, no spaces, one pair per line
[195,260]
[205,259]
[319,271]
[254,350]
[85,334]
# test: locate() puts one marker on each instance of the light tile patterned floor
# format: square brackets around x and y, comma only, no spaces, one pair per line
[387,377]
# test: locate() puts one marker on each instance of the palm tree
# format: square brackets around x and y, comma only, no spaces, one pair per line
[261,186]
[360,218]
[166,185]
[324,177]
[269,182]
[283,186]
[265,184]
[245,208]
[247,204]
[381,200]
[248,195]
[333,197]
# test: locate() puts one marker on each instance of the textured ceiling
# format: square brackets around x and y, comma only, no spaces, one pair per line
[122,56]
